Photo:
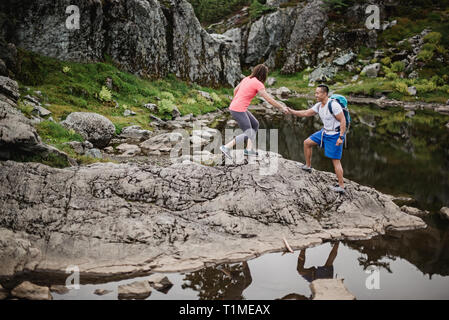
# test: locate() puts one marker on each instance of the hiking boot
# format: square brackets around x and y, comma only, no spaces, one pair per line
[338,189]
[306,168]
[250,152]
[226,151]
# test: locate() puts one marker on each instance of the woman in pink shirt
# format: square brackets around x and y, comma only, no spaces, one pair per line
[243,94]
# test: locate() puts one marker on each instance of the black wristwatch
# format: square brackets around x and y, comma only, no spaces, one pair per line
[342,138]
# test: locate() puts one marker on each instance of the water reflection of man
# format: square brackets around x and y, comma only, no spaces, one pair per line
[314,273]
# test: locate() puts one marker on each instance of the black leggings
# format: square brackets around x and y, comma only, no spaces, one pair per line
[248,124]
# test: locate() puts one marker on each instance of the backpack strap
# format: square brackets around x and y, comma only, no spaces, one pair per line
[329,106]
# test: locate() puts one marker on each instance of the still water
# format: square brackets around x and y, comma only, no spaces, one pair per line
[409,265]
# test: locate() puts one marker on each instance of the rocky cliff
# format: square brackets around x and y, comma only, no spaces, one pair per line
[146,37]
[299,36]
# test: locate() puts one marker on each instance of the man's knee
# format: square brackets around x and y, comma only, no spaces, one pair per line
[309,143]
[337,164]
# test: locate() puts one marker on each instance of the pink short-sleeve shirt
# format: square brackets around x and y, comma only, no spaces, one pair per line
[248,89]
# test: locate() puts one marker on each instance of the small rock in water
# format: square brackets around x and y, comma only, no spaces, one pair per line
[444,212]
[414,211]
[404,201]
[102,292]
[160,282]
[135,290]
[59,289]
[30,291]
[3,293]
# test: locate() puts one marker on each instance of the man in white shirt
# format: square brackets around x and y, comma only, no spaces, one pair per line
[332,135]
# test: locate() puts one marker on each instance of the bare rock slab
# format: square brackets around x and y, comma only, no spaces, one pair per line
[135,290]
[330,289]
[120,218]
[30,291]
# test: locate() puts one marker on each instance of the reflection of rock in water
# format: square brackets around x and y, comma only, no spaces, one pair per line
[427,249]
[225,282]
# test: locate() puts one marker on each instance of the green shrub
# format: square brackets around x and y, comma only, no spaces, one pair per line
[190,101]
[66,69]
[338,6]
[215,10]
[166,106]
[167,95]
[401,87]
[257,9]
[392,76]
[398,66]
[25,108]
[426,86]
[425,56]
[433,37]
[440,49]
[437,80]
[105,94]
[386,61]
[215,97]
[429,47]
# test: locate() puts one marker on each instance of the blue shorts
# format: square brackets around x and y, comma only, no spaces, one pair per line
[329,143]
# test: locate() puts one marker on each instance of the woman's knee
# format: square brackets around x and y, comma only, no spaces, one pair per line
[256,125]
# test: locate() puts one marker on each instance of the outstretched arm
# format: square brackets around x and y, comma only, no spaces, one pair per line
[302,113]
[271,101]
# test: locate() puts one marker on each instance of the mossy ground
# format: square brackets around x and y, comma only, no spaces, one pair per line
[68,87]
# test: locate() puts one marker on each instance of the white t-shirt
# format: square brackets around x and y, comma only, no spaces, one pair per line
[329,121]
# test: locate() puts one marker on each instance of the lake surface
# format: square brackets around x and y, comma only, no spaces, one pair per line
[409,265]
[394,153]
